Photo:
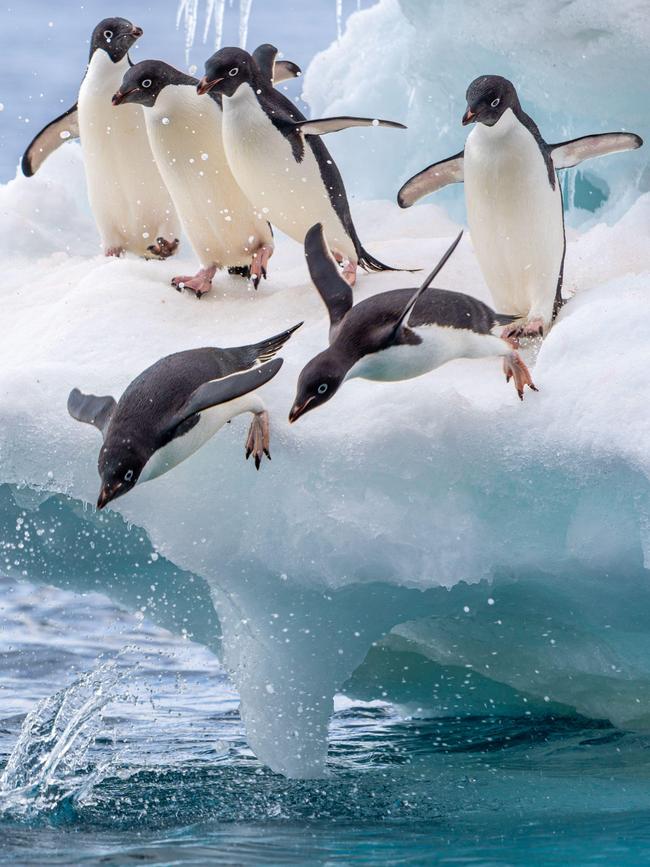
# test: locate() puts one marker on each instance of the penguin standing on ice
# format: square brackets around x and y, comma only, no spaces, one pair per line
[279,160]
[174,407]
[130,203]
[184,132]
[513,197]
[398,334]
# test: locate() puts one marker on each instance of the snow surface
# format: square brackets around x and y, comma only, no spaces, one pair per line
[387,520]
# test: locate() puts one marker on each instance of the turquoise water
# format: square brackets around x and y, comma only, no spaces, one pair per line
[167,777]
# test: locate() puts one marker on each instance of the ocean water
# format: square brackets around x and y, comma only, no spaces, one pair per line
[160,773]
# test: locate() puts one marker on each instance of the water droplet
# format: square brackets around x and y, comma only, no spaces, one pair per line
[165,121]
[204,157]
[375,122]
[65,134]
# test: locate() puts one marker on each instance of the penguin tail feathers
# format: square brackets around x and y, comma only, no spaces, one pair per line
[369,263]
[266,349]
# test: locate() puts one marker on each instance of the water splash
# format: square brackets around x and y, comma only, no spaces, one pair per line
[44,767]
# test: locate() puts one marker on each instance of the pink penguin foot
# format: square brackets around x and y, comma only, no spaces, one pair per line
[532,328]
[200,284]
[163,248]
[349,268]
[114,251]
[260,263]
[515,368]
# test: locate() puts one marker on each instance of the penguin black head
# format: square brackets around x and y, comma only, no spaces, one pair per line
[120,464]
[487,98]
[114,36]
[143,82]
[319,380]
[226,70]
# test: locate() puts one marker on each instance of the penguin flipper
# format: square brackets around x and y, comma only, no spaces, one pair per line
[272,69]
[429,280]
[283,70]
[228,388]
[570,153]
[91,409]
[326,275]
[52,136]
[434,177]
[321,126]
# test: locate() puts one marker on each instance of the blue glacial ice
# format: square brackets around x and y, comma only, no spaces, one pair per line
[434,543]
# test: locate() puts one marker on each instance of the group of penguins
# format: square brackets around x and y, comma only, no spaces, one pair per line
[230,155]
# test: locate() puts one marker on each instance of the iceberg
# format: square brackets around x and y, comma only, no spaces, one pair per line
[432,543]
[577,68]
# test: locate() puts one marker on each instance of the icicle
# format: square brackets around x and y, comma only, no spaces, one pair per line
[209,12]
[218,23]
[339,18]
[187,11]
[244,18]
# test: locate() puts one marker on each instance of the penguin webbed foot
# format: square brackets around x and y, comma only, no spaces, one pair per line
[515,368]
[200,284]
[348,268]
[532,328]
[259,264]
[163,248]
[258,442]
[114,251]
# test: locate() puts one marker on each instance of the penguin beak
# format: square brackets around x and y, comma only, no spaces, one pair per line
[205,85]
[299,409]
[119,97]
[137,31]
[469,116]
[107,494]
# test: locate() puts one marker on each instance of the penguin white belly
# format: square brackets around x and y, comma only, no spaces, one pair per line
[514,216]
[185,135]
[210,422]
[292,195]
[129,200]
[439,345]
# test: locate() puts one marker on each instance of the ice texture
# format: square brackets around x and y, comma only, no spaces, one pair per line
[434,542]
[579,68]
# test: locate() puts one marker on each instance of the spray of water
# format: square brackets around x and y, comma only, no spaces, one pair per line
[43,768]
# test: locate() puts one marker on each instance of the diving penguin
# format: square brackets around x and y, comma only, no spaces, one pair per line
[513,197]
[130,203]
[174,407]
[279,160]
[184,132]
[398,334]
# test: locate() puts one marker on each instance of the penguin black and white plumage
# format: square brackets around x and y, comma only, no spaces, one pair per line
[130,203]
[279,159]
[398,334]
[185,136]
[513,197]
[174,407]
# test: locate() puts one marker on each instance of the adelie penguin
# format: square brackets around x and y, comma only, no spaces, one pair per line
[398,334]
[174,407]
[513,197]
[130,203]
[279,160]
[185,135]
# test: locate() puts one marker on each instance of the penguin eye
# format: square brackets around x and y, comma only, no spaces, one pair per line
[495,102]
[128,475]
[108,34]
[322,388]
[146,82]
[233,72]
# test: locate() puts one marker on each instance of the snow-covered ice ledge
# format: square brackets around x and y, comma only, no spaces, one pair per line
[506,543]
